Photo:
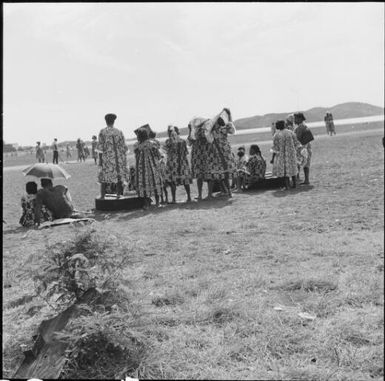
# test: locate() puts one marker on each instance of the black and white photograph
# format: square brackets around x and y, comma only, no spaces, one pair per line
[193,190]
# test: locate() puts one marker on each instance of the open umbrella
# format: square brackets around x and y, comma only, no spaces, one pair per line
[46,170]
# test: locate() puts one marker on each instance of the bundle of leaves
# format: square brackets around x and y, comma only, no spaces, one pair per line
[102,345]
[68,269]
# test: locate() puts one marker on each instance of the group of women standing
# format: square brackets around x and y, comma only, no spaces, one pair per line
[292,150]
[159,167]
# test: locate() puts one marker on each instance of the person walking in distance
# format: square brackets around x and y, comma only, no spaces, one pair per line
[40,157]
[55,150]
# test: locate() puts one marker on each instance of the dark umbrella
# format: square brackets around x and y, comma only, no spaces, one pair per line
[46,170]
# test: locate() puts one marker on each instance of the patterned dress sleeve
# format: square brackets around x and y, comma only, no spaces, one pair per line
[275,148]
[101,139]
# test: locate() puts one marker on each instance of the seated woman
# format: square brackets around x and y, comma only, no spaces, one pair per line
[55,198]
[256,166]
[28,205]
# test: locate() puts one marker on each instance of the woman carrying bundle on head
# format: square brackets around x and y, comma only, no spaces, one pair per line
[221,164]
[256,166]
[177,167]
[284,151]
[199,151]
[148,173]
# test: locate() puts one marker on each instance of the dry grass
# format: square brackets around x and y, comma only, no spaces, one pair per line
[207,276]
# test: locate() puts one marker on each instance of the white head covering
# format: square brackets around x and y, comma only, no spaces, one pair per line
[195,124]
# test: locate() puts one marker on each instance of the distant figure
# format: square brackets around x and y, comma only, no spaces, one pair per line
[94,145]
[86,150]
[329,124]
[40,156]
[68,151]
[55,150]
[80,148]
[113,147]
[284,158]
[28,206]
[55,198]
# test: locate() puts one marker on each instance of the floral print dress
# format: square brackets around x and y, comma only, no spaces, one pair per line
[199,151]
[285,146]
[27,218]
[256,166]
[221,160]
[113,159]
[177,165]
[148,176]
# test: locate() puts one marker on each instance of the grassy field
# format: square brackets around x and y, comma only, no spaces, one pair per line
[217,287]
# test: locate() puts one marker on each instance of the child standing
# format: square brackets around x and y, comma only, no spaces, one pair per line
[241,165]
[177,167]
[148,174]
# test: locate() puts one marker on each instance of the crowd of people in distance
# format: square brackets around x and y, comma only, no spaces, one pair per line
[83,151]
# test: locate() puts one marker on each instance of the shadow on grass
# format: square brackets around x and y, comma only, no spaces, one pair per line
[16,229]
[291,191]
[127,215]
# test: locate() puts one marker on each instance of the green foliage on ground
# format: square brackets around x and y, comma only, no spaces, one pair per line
[222,290]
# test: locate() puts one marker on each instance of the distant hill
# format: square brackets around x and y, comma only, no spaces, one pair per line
[316,114]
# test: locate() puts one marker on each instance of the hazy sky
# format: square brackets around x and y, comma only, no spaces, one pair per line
[68,64]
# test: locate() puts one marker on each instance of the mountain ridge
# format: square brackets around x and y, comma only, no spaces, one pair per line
[314,114]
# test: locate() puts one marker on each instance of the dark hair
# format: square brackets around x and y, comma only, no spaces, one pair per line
[110,118]
[46,182]
[280,124]
[94,137]
[31,187]
[254,148]
[169,130]
[142,135]
[299,115]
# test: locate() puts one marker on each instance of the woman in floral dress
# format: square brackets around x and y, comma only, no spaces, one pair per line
[199,150]
[221,161]
[256,166]
[302,132]
[284,150]
[148,173]
[112,145]
[177,167]
[28,206]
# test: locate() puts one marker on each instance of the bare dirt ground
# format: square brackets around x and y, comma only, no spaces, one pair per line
[219,286]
